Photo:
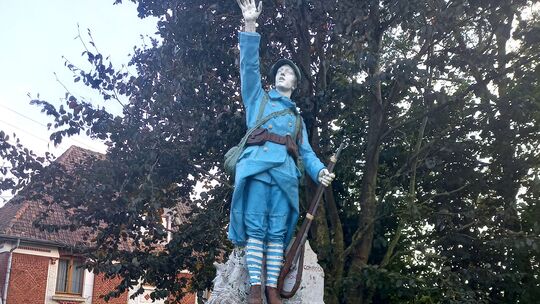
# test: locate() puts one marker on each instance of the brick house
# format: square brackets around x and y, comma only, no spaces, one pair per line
[39,267]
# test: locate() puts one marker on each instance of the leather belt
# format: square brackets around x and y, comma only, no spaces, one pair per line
[261,136]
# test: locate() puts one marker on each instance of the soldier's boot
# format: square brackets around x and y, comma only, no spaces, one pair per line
[272,295]
[255,295]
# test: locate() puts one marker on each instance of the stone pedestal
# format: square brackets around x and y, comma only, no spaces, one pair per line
[231,284]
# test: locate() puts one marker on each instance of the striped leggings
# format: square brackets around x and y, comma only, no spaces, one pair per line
[256,251]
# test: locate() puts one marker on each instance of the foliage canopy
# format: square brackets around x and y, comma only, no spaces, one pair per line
[435,199]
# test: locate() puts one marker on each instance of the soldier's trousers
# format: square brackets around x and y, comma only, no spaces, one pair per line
[266,209]
[265,214]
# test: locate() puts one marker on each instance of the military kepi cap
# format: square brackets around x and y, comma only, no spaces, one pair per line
[282,62]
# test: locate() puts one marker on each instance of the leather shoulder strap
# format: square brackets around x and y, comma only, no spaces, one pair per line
[297,136]
[262,106]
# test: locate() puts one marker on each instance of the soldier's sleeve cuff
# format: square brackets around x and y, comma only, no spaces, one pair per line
[315,174]
[249,37]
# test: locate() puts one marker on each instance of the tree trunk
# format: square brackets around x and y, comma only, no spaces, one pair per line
[362,250]
[507,187]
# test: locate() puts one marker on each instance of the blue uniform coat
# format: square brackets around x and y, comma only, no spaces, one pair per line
[269,158]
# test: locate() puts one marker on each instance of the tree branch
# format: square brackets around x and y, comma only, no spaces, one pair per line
[357,237]
[444,193]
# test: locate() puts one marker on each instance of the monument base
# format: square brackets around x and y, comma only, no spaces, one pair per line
[231,284]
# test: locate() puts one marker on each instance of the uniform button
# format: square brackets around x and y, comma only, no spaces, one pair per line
[265,149]
[290,124]
[270,127]
[273,104]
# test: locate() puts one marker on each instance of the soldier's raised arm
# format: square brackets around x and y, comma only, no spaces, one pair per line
[250,76]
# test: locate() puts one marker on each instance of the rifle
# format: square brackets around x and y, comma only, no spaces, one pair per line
[296,251]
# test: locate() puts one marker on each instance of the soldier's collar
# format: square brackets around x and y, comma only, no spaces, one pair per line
[276,96]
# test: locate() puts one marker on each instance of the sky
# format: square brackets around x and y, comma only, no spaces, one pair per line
[35,35]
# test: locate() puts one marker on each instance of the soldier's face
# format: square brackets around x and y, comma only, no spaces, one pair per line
[285,78]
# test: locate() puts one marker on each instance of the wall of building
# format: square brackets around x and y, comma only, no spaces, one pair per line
[103,286]
[189,298]
[28,279]
[88,288]
[45,258]
[34,274]
[144,298]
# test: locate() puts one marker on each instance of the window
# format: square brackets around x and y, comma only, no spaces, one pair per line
[167,224]
[70,276]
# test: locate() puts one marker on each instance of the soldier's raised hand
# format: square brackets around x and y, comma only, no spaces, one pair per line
[250,11]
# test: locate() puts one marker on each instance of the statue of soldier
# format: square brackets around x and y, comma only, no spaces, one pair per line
[264,209]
